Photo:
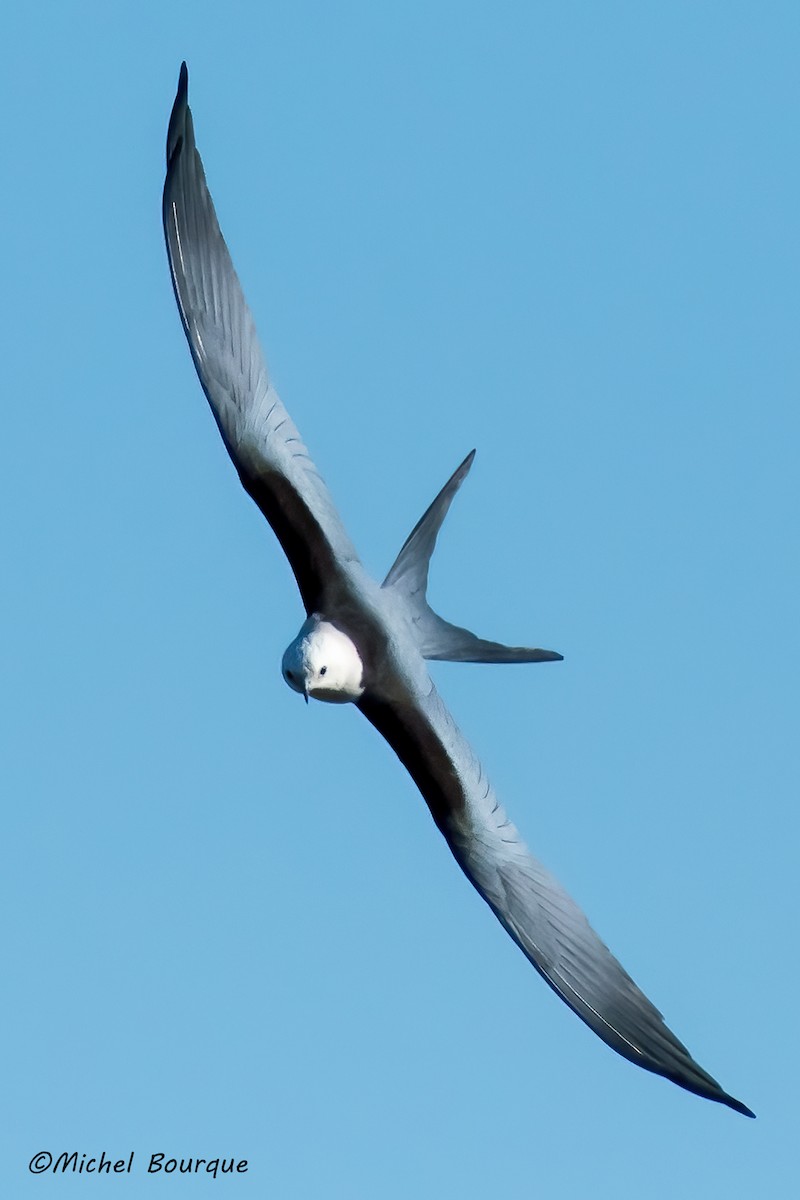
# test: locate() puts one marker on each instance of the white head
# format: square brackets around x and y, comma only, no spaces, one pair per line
[323,662]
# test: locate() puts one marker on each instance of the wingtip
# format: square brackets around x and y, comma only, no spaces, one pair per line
[461,472]
[709,1089]
[181,94]
[737,1106]
[177,120]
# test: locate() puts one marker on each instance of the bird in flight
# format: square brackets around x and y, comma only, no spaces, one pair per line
[368,643]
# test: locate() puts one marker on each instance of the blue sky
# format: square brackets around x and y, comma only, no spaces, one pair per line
[565,234]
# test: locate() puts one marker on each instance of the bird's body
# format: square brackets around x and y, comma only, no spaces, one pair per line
[369,643]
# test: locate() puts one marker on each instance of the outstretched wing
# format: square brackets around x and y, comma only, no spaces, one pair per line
[532,906]
[267,451]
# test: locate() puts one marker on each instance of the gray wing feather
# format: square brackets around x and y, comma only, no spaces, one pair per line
[532,906]
[261,438]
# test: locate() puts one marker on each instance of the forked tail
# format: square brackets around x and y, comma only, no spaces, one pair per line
[438,639]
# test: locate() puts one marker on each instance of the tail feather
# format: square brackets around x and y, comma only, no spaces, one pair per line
[408,576]
[451,643]
[409,572]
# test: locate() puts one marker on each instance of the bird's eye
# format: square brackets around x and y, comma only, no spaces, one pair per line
[290,675]
[322,670]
